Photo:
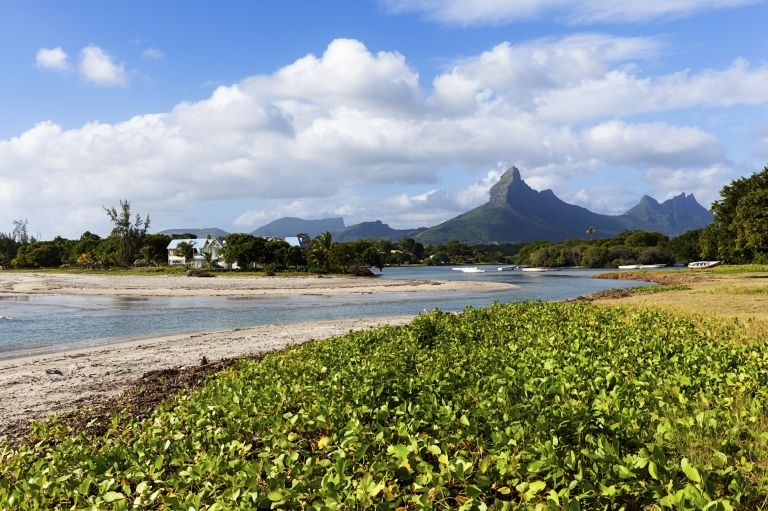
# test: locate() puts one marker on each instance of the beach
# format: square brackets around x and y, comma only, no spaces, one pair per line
[84,284]
[34,385]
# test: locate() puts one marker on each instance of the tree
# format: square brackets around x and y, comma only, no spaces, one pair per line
[686,247]
[244,250]
[184,250]
[130,233]
[19,234]
[208,259]
[738,232]
[8,248]
[155,248]
[352,256]
[751,225]
[38,254]
[320,252]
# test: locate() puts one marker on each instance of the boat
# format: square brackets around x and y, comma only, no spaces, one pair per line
[652,266]
[506,268]
[472,269]
[539,269]
[703,265]
[629,266]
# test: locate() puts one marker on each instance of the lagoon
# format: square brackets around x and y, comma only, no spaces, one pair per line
[53,322]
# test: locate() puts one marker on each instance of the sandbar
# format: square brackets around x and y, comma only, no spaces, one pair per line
[87,284]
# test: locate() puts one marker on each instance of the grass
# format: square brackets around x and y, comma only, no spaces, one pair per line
[727,291]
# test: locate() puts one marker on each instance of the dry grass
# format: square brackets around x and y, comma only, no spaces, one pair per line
[722,294]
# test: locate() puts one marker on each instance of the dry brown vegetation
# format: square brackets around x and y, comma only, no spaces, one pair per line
[722,293]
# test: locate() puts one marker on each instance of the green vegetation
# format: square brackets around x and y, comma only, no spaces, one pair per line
[523,406]
[739,232]
[629,247]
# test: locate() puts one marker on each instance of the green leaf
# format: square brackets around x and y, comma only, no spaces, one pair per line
[690,471]
[719,459]
[652,470]
[112,496]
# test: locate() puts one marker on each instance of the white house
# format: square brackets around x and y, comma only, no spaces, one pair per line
[200,247]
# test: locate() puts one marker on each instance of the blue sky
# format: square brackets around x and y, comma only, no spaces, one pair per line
[233,114]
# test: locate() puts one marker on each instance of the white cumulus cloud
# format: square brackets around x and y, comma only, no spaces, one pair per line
[617,142]
[52,59]
[352,132]
[98,67]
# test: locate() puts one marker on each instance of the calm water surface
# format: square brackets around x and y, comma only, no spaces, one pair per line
[53,322]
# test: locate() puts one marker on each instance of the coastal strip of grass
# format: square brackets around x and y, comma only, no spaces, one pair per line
[521,406]
[728,291]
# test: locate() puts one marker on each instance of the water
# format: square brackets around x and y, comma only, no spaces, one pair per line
[53,322]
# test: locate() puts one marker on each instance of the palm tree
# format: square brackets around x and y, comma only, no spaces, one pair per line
[184,250]
[320,253]
[208,258]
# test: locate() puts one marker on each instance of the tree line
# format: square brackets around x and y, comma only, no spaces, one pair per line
[738,234]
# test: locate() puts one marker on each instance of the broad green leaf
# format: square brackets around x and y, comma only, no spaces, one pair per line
[690,471]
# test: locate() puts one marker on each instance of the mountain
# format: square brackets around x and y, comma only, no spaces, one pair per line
[374,231]
[200,233]
[516,213]
[290,226]
[672,217]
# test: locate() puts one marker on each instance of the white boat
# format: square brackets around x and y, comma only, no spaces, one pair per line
[652,266]
[506,268]
[539,269]
[472,269]
[630,266]
[703,265]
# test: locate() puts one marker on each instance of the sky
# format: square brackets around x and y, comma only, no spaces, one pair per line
[232,114]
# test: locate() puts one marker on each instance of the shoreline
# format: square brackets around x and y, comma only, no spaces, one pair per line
[33,386]
[37,382]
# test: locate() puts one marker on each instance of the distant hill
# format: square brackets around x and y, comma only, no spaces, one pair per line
[200,233]
[290,226]
[374,231]
[516,213]
[672,217]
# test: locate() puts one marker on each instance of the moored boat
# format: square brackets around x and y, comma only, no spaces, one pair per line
[703,265]
[539,269]
[629,266]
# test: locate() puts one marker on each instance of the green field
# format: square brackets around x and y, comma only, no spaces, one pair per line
[522,406]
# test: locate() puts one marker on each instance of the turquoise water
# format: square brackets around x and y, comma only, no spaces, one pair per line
[52,322]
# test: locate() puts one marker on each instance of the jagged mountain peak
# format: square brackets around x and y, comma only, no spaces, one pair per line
[517,213]
[510,188]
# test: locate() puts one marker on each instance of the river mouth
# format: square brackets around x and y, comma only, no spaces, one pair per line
[53,322]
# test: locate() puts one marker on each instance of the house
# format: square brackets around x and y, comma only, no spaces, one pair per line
[199,248]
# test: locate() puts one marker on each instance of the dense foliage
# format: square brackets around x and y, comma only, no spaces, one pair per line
[739,232]
[629,247]
[128,232]
[522,406]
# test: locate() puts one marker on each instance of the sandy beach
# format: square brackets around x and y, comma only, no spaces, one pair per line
[32,386]
[179,285]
